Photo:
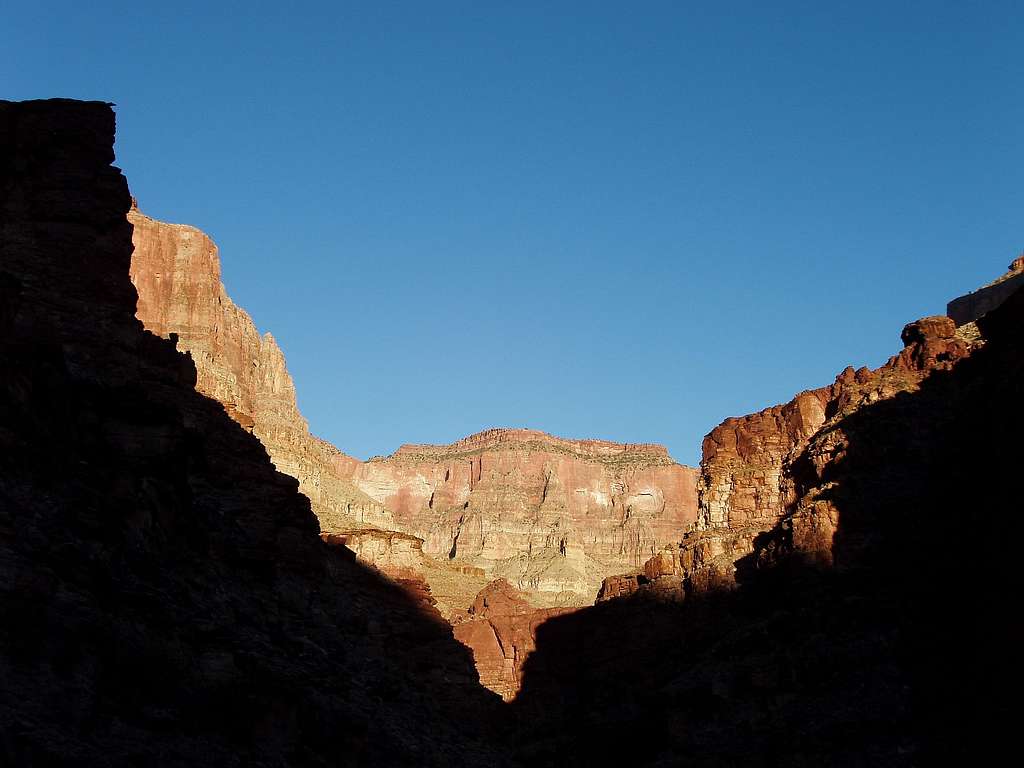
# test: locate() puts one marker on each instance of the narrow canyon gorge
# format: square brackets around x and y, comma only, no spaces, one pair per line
[189,576]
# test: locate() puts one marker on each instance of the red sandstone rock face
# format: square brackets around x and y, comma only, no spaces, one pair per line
[176,270]
[748,481]
[546,513]
[553,515]
[966,309]
[501,630]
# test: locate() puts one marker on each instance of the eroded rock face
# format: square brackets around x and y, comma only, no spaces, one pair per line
[388,551]
[964,310]
[554,516]
[166,598]
[751,467]
[850,629]
[176,270]
[545,513]
[500,628]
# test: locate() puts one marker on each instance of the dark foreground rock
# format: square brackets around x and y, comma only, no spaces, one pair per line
[856,605]
[164,593]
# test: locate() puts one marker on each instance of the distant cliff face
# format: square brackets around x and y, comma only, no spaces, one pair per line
[176,270]
[552,515]
[545,513]
[966,309]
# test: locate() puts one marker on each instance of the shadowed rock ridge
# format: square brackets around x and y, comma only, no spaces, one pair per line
[165,596]
[872,622]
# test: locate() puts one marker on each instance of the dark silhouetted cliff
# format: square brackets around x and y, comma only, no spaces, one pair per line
[165,596]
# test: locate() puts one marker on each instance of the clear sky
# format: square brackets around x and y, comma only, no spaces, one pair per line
[615,220]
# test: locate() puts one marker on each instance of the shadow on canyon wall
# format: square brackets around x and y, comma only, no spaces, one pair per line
[166,599]
[902,652]
[165,596]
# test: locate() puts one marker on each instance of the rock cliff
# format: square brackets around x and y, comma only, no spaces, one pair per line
[748,479]
[964,310]
[553,516]
[548,514]
[846,597]
[166,596]
[839,602]
[176,271]
[500,627]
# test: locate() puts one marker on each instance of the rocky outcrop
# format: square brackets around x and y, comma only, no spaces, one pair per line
[749,473]
[388,551]
[554,516]
[850,626]
[166,597]
[548,514]
[749,470]
[176,271]
[500,628]
[966,309]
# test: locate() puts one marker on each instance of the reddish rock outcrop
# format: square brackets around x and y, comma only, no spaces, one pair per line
[548,514]
[500,628]
[176,270]
[846,624]
[747,473]
[748,480]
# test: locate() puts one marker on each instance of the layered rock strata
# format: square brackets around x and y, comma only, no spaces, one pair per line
[548,514]
[500,628]
[165,595]
[750,465]
[553,516]
[176,271]
[846,625]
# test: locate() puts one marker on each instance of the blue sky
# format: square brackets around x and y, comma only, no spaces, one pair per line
[625,221]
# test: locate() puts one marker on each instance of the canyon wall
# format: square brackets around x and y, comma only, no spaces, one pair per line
[849,621]
[553,516]
[548,514]
[500,627]
[752,469]
[165,594]
[176,270]
[968,308]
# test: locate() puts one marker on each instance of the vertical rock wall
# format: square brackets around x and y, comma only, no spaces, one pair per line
[176,270]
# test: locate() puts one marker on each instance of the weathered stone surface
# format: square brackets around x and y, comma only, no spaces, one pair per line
[967,309]
[851,628]
[548,514]
[500,628]
[385,550]
[494,503]
[748,478]
[747,474]
[176,270]
[166,598]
